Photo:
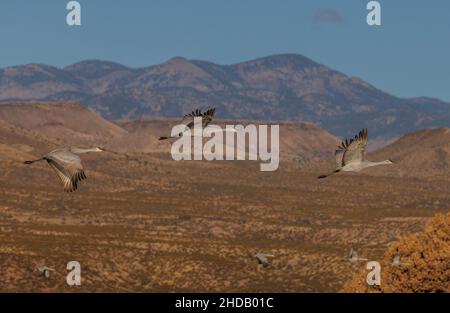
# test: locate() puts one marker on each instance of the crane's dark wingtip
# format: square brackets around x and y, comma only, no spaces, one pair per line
[322,176]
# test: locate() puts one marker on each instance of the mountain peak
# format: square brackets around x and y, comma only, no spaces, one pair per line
[178,66]
[178,59]
[30,67]
[94,62]
[279,60]
[179,62]
[95,68]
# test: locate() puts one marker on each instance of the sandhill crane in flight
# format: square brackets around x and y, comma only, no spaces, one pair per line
[67,164]
[45,271]
[396,261]
[188,120]
[353,256]
[350,156]
[262,258]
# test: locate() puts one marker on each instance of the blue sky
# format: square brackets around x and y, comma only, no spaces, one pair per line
[409,55]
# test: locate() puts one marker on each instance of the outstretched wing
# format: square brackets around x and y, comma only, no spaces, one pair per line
[353,150]
[207,117]
[68,168]
[262,259]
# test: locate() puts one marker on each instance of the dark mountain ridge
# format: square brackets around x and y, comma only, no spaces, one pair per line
[278,87]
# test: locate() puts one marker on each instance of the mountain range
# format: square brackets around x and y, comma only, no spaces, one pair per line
[286,87]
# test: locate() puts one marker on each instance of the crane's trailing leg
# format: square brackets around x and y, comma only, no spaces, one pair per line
[326,175]
[32,161]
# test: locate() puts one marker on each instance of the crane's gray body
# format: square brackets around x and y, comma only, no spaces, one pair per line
[350,155]
[67,165]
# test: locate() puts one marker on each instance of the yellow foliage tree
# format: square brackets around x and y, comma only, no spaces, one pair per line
[415,263]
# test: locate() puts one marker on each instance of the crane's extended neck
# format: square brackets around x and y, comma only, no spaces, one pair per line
[81,151]
[385,162]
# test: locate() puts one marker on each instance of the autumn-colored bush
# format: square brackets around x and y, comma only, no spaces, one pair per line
[424,262]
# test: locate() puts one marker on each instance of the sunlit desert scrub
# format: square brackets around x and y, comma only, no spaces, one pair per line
[144,222]
[424,262]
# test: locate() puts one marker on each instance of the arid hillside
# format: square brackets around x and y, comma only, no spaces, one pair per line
[143,222]
[64,121]
[61,124]
[18,143]
[298,141]
[425,153]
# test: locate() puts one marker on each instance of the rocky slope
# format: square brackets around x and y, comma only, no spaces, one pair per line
[278,87]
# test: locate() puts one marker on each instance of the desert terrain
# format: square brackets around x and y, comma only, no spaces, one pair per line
[143,222]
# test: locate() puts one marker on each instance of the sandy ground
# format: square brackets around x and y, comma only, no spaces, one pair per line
[147,223]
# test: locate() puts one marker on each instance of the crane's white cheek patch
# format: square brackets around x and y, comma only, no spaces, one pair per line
[240,143]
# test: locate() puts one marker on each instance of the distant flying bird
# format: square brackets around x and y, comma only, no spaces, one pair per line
[353,256]
[188,120]
[263,258]
[67,164]
[396,260]
[45,271]
[350,155]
